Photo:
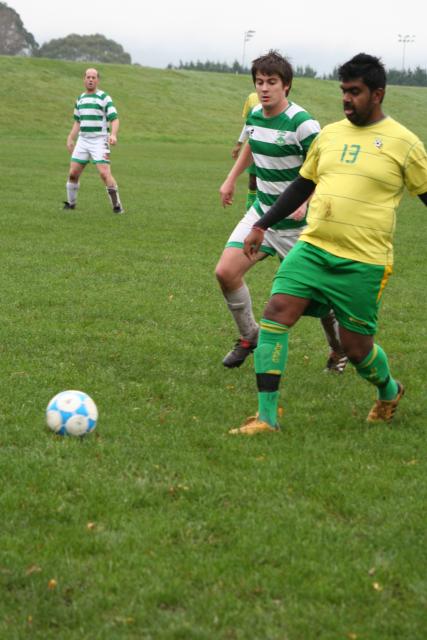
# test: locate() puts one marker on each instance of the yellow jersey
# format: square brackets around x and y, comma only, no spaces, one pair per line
[360,174]
[250,102]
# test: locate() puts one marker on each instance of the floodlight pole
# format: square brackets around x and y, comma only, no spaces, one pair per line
[404,40]
[247,35]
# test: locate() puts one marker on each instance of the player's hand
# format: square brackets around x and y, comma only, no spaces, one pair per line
[236,150]
[226,193]
[70,145]
[252,242]
[112,139]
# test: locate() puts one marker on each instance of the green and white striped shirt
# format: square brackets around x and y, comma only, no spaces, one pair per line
[94,111]
[279,147]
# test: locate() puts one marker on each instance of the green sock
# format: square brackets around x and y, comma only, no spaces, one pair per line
[250,199]
[374,368]
[268,403]
[270,357]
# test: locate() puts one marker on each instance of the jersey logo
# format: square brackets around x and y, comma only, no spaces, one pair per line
[280,140]
[378,143]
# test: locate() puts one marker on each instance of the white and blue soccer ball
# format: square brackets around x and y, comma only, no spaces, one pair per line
[71,413]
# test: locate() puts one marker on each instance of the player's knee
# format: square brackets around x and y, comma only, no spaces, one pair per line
[73,176]
[225,274]
[275,309]
[105,173]
[280,310]
[356,349]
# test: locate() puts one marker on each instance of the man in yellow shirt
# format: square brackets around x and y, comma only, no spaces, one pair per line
[356,170]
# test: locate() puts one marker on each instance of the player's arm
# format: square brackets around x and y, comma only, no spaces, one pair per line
[227,188]
[71,139]
[240,142]
[293,197]
[236,150]
[114,124]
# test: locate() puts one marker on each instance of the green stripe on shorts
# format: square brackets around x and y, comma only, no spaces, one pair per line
[264,249]
[79,161]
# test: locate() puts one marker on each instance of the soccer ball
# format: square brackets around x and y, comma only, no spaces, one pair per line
[71,413]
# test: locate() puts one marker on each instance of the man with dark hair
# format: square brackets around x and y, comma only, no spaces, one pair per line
[274,64]
[280,133]
[355,171]
[364,66]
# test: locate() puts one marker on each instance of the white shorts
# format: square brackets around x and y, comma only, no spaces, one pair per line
[276,241]
[96,149]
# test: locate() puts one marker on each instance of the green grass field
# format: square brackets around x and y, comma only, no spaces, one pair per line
[159,525]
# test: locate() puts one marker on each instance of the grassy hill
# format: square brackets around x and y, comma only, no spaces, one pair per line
[166,105]
[158,526]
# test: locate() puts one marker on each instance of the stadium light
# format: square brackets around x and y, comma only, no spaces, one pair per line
[247,35]
[404,40]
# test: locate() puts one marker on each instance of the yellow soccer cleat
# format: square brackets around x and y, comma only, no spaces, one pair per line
[252,426]
[384,410]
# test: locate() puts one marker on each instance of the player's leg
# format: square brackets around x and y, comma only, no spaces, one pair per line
[100,152]
[79,159]
[337,359]
[290,299]
[107,177]
[73,184]
[271,356]
[371,363]
[360,288]
[230,272]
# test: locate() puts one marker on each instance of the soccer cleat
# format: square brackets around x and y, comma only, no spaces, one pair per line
[252,426]
[384,410]
[336,362]
[67,205]
[241,350]
[118,209]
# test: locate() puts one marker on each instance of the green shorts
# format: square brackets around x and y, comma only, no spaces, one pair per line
[352,289]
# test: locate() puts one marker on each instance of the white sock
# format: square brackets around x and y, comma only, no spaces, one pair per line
[240,304]
[72,189]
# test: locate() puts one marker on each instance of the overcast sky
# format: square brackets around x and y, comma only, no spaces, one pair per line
[310,32]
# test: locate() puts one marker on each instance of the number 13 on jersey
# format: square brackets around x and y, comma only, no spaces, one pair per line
[349,153]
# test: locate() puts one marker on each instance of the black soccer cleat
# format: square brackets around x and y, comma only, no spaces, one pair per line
[118,209]
[241,350]
[68,206]
[336,362]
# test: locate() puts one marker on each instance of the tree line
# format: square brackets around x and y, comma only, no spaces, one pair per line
[235,67]
[410,77]
[16,40]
